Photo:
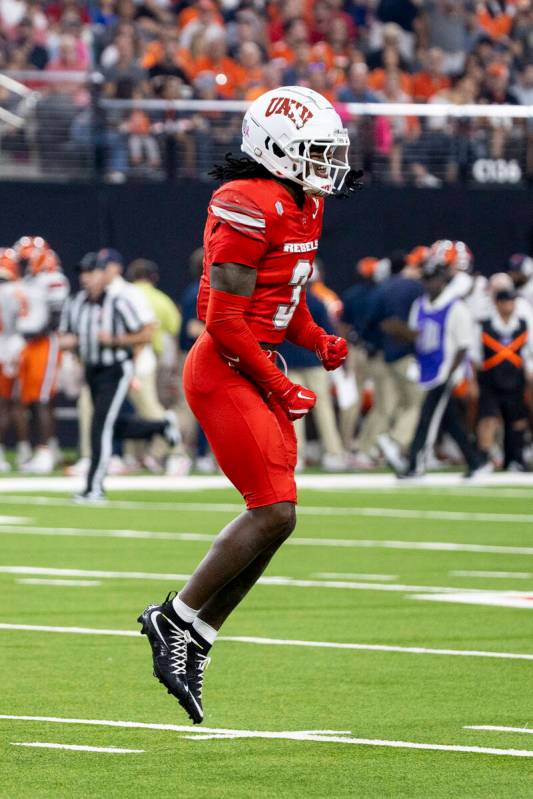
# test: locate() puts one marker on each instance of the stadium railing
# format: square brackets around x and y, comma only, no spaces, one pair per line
[60,127]
[46,123]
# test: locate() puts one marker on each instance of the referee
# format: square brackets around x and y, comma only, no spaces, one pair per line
[104,329]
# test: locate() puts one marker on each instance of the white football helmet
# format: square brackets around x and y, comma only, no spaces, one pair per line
[296,134]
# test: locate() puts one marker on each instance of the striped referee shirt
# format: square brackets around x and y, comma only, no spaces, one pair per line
[87,319]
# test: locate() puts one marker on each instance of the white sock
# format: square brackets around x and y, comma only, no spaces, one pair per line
[24,450]
[207,632]
[184,611]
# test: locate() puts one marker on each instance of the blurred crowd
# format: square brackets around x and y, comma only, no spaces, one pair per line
[440,366]
[393,51]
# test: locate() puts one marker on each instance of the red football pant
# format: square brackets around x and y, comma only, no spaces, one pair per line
[254,444]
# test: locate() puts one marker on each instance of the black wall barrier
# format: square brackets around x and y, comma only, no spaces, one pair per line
[164,222]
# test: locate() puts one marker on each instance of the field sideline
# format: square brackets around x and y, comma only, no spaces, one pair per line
[386,653]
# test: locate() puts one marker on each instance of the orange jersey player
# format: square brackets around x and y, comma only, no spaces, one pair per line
[42,292]
[261,237]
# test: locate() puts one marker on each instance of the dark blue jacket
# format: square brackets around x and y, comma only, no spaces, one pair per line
[393,298]
[357,302]
[188,312]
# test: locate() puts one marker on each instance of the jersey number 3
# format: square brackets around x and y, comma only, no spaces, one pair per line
[299,278]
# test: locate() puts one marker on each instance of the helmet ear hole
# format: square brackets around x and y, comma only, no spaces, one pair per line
[277,151]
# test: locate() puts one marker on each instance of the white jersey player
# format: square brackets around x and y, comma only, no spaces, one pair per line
[43,290]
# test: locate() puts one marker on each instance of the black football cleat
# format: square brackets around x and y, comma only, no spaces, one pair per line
[170,640]
[197,662]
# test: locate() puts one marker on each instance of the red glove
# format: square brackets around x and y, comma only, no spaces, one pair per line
[332,351]
[297,401]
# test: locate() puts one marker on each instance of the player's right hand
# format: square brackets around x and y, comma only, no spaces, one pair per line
[297,401]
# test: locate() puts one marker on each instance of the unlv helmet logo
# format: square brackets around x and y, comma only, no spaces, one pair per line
[294,110]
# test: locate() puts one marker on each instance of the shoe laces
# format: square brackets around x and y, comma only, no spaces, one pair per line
[196,679]
[179,640]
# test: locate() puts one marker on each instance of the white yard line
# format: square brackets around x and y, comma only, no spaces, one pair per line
[86,532]
[208,733]
[268,581]
[51,572]
[306,510]
[14,519]
[246,639]
[373,543]
[110,750]
[62,583]
[490,574]
[494,728]
[522,600]
[319,482]
[384,578]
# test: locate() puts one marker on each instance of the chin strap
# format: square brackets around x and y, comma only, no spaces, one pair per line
[352,183]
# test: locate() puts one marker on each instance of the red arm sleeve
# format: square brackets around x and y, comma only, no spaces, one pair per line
[227,326]
[302,329]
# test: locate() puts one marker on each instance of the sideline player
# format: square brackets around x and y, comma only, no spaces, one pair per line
[43,291]
[260,241]
[10,347]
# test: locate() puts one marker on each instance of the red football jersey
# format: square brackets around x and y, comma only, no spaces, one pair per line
[257,223]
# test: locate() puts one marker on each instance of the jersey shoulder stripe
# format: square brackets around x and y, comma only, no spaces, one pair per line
[240,211]
[237,218]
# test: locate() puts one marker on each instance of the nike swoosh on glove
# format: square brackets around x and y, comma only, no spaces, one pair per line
[297,401]
[332,351]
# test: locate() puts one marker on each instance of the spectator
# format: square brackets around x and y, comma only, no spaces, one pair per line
[522,33]
[391,67]
[71,57]
[298,71]
[496,86]
[432,79]
[447,23]
[27,41]
[296,33]
[250,59]
[391,41]
[493,19]
[522,90]
[402,12]
[200,17]
[142,144]
[228,74]
[356,90]
[126,72]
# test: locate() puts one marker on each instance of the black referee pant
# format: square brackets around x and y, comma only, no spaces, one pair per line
[439,409]
[109,387]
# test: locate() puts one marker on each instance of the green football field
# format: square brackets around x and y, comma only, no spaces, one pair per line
[387,653]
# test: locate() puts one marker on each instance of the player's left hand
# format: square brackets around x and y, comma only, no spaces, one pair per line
[332,351]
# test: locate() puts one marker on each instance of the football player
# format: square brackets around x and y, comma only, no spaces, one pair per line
[44,289]
[260,240]
[10,347]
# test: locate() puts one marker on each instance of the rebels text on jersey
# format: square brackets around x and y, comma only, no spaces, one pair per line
[257,223]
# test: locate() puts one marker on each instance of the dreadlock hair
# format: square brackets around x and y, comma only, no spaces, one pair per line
[237,169]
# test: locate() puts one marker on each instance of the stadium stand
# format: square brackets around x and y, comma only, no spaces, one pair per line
[111,86]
